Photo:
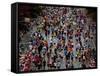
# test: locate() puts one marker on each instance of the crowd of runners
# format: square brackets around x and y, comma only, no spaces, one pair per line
[59,38]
